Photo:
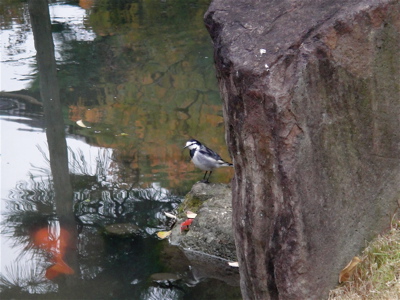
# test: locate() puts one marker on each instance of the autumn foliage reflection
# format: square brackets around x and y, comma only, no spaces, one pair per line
[150,143]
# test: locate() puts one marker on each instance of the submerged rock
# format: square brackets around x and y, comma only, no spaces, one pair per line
[193,267]
[122,229]
[165,277]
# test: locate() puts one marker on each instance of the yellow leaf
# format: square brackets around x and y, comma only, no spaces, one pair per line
[163,234]
[348,271]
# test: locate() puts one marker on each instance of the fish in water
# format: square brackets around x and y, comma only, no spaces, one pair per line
[56,246]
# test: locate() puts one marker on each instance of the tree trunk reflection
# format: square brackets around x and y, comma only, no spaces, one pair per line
[55,130]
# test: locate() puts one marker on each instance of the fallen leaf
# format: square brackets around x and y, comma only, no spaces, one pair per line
[348,271]
[190,214]
[234,264]
[81,124]
[163,234]
[185,225]
[169,215]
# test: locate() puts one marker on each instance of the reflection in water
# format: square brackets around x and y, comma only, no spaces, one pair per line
[156,293]
[99,202]
[97,205]
[140,75]
[24,278]
[120,263]
[60,244]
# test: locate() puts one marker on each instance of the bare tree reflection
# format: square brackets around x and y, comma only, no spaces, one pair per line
[110,266]
[99,201]
[24,278]
[59,240]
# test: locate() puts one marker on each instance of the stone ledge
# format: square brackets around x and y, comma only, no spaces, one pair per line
[211,231]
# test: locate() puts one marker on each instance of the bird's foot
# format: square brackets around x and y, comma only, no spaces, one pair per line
[204,181]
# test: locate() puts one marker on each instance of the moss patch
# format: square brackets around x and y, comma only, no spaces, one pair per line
[191,202]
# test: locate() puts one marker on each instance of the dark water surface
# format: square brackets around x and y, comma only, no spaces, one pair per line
[136,80]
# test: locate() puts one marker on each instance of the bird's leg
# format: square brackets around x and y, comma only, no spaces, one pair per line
[209,174]
[204,177]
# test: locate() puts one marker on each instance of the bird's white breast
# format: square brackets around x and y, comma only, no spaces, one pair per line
[203,162]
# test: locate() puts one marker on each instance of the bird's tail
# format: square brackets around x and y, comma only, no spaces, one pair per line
[224,164]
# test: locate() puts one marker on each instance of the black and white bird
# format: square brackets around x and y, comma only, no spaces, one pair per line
[204,158]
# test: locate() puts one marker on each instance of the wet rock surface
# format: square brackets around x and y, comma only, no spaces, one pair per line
[311,104]
[211,231]
[209,266]
[196,269]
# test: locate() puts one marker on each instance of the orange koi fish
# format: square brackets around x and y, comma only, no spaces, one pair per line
[56,246]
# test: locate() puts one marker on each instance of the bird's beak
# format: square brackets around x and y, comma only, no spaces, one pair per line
[185,147]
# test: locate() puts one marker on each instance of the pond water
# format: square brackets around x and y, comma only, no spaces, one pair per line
[136,80]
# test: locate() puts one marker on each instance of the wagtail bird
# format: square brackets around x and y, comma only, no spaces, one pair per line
[204,158]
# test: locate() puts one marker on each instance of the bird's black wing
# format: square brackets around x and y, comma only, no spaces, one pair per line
[207,151]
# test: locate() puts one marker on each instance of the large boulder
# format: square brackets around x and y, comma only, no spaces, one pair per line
[311,94]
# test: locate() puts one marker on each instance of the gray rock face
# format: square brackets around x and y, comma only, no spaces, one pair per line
[311,94]
[211,231]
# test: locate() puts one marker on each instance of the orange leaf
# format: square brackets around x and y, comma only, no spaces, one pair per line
[348,271]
